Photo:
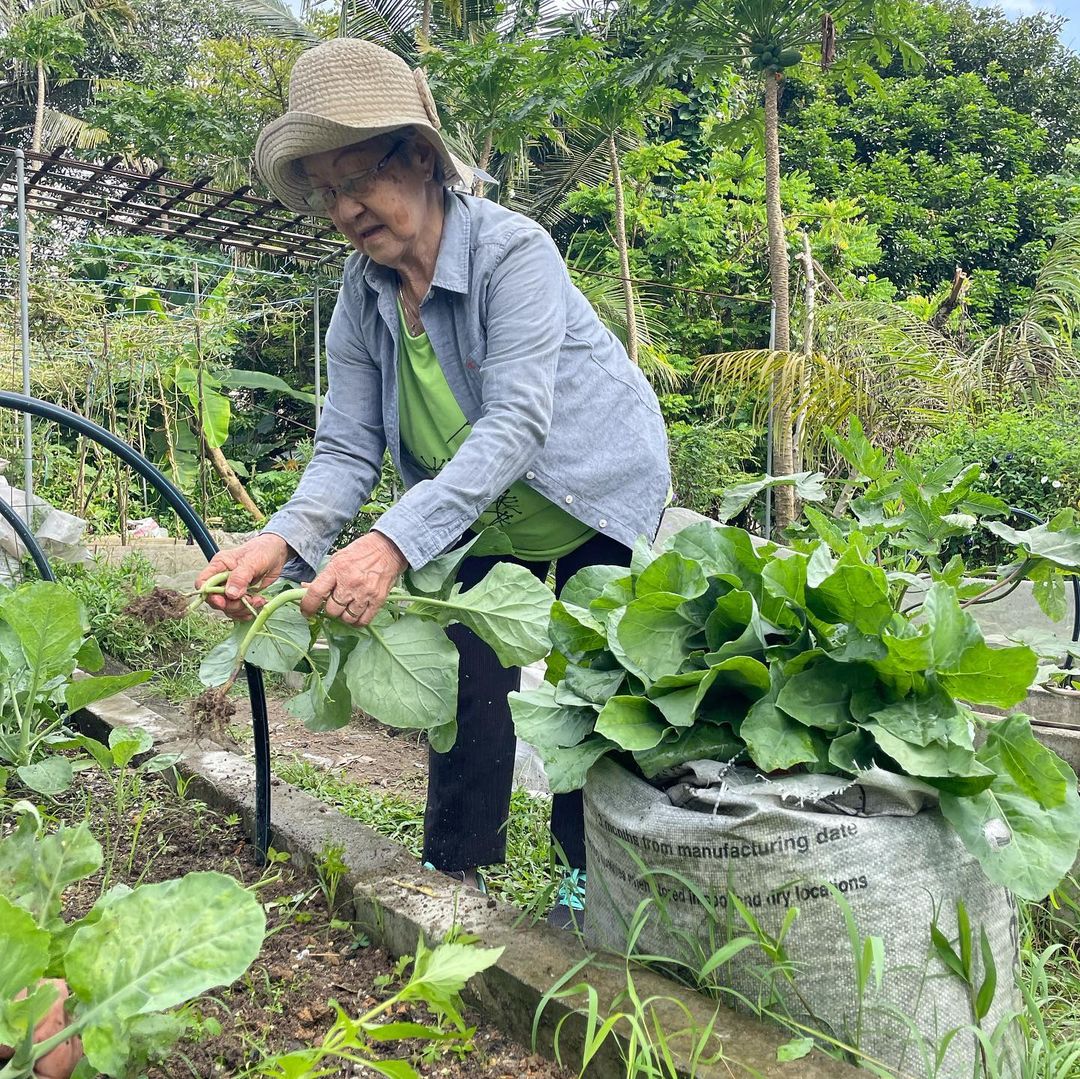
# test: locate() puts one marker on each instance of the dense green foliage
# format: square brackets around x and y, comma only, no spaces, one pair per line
[949,142]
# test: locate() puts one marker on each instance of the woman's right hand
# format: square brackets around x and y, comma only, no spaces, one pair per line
[255,564]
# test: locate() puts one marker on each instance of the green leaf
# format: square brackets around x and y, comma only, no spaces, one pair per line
[722,551]
[509,611]
[35,871]
[568,766]
[819,695]
[852,753]
[322,708]
[590,583]
[735,628]
[50,624]
[51,776]
[87,690]
[129,742]
[922,719]
[671,573]
[438,576]
[952,767]
[631,723]
[262,380]
[574,631]
[542,722]
[1048,588]
[1032,767]
[24,954]
[855,592]
[795,1049]
[89,656]
[653,635]
[445,970]
[996,676]
[1020,845]
[702,742]
[404,674]
[219,663]
[283,641]
[984,999]
[19,1017]
[594,684]
[1056,542]
[785,578]
[155,948]
[442,738]
[773,739]
[808,488]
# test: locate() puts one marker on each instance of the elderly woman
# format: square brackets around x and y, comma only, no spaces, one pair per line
[460,344]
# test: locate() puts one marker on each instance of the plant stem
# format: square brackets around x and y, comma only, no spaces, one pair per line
[1016,575]
[292,595]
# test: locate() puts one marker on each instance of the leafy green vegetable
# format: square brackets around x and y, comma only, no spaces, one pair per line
[814,657]
[402,669]
[138,951]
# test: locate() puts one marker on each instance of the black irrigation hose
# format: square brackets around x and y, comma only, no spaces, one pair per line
[29,540]
[72,421]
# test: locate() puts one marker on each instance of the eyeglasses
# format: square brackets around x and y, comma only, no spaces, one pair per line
[358,186]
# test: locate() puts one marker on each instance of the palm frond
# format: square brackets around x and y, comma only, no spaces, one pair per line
[606,296]
[275,19]
[582,158]
[390,23]
[61,129]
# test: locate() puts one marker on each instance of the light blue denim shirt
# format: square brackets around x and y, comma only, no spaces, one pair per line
[549,391]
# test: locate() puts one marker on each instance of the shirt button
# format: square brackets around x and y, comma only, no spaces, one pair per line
[530,475]
[569,500]
[603,522]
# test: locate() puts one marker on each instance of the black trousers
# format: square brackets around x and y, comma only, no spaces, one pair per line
[468,798]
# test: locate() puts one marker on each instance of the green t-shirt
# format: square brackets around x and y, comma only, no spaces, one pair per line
[433,427]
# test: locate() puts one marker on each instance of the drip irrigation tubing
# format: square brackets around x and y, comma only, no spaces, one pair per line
[201,535]
[29,540]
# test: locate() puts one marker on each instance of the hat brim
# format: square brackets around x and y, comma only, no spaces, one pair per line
[283,142]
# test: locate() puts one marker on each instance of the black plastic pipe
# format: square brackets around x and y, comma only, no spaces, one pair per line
[72,421]
[29,540]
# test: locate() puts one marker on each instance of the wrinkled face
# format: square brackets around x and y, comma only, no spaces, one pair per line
[385,213]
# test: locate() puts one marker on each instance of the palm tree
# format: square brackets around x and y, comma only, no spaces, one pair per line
[41,39]
[900,369]
[770,37]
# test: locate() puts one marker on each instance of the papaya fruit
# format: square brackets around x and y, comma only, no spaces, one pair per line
[789,58]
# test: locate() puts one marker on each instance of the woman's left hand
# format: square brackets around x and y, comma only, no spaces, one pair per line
[356,581]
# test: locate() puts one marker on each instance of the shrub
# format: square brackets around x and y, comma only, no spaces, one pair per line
[707,457]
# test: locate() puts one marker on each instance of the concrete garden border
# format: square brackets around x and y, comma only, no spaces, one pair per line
[394,901]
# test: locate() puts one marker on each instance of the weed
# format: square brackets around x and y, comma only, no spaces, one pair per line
[330,871]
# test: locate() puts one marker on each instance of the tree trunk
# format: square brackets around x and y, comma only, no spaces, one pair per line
[624,252]
[479,187]
[39,109]
[807,351]
[425,21]
[232,482]
[778,280]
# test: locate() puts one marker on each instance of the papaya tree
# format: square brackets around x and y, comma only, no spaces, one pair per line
[769,39]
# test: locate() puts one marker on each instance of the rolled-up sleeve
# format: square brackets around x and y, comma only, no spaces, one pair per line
[526,326]
[349,447]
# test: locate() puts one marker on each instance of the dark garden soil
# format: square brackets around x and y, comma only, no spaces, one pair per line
[307,959]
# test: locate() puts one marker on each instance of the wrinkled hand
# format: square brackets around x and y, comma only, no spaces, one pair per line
[60,1062]
[257,563]
[356,581]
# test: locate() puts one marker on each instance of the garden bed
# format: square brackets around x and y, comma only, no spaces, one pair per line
[308,958]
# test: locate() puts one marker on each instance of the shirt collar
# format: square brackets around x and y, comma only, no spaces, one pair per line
[452,264]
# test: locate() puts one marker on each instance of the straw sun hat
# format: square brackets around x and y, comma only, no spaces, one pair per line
[340,93]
